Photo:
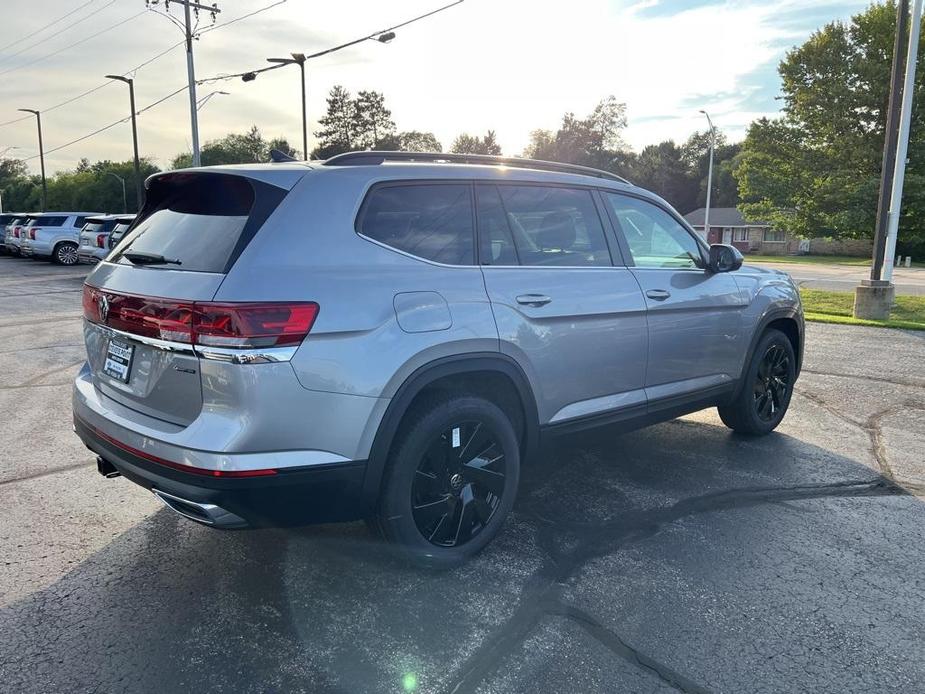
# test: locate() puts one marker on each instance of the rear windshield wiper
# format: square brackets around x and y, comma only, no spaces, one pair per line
[137,258]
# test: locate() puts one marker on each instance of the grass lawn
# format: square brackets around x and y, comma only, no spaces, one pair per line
[808,259]
[836,307]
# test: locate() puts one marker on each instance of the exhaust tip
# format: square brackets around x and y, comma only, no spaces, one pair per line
[106,469]
[208,514]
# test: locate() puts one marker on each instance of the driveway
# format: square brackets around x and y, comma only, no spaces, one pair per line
[844,278]
[677,558]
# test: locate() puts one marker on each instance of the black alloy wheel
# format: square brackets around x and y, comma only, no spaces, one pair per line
[458,484]
[772,383]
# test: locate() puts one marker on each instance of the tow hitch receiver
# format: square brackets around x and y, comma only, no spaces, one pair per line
[106,469]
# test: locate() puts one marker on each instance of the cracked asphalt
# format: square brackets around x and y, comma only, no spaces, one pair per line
[676,558]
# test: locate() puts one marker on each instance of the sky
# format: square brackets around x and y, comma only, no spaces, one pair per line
[512,66]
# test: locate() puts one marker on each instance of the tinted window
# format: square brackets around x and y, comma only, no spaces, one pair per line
[197,219]
[655,238]
[430,221]
[51,221]
[6,219]
[80,221]
[554,226]
[496,245]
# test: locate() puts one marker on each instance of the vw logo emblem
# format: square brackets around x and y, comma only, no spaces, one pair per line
[103,306]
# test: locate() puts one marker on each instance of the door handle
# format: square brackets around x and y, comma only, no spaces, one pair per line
[658,294]
[533,299]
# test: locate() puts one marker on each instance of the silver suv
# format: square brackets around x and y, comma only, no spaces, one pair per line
[391,335]
[54,236]
[96,233]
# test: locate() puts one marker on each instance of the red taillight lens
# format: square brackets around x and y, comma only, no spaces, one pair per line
[32,233]
[101,240]
[202,323]
[16,232]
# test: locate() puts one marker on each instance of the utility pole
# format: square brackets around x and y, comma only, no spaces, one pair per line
[873,298]
[706,212]
[38,120]
[902,142]
[889,141]
[190,7]
[139,185]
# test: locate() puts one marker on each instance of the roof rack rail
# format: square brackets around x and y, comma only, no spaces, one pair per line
[373,157]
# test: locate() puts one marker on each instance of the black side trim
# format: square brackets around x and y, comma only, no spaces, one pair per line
[429,373]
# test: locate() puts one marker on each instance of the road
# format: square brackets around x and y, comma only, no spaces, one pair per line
[677,558]
[844,278]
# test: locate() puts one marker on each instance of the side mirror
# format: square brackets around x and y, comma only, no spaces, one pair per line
[724,258]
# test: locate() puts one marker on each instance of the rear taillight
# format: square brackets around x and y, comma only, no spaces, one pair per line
[32,233]
[16,232]
[101,240]
[271,324]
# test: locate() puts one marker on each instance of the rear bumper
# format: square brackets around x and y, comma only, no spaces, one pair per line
[91,254]
[292,496]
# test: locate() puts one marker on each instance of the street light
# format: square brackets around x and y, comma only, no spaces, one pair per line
[706,213]
[38,120]
[139,188]
[298,59]
[122,180]
[203,100]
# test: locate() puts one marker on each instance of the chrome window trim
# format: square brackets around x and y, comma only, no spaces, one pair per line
[252,355]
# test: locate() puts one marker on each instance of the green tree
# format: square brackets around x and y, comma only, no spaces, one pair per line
[235,148]
[473,144]
[595,140]
[815,170]
[337,134]
[662,169]
[373,121]
[416,141]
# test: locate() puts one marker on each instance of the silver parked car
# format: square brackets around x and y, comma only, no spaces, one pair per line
[391,335]
[14,233]
[54,236]
[95,235]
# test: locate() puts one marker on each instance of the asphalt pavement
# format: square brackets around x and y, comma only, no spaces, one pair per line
[677,558]
[844,278]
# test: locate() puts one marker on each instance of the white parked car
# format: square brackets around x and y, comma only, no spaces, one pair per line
[96,233]
[54,236]
[13,233]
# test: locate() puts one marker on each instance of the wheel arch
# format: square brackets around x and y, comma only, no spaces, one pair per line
[789,320]
[472,369]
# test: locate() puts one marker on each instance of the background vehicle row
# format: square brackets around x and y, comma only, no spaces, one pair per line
[62,237]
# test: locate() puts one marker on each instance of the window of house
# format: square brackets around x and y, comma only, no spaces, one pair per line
[774,236]
[549,226]
[740,234]
[431,221]
[655,238]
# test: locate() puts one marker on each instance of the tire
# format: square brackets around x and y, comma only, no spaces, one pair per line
[767,386]
[438,507]
[66,254]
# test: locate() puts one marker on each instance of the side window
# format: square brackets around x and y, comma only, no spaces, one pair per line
[431,221]
[655,238]
[496,245]
[80,221]
[554,226]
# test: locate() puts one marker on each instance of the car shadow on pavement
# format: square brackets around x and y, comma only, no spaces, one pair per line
[173,606]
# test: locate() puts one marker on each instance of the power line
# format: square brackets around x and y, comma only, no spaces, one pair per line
[141,65]
[367,37]
[60,31]
[50,24]
[108,126]
[76,43]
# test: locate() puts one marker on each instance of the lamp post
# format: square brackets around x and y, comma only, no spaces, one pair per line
[298,59]
[205,99]
[38,120]
[121,180]
[139,187]
[706,213]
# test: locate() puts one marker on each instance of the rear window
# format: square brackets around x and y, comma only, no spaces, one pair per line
[201,220]
[103,227]
[6,219]
[431,221]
